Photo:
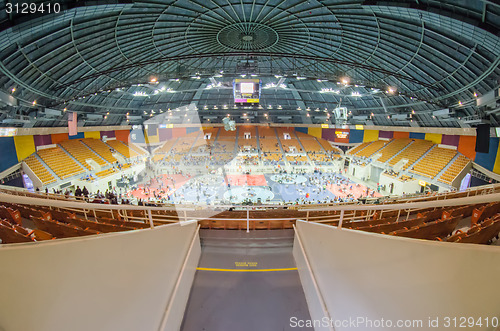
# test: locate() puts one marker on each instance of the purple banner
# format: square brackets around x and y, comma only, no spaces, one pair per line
[42,140]
[386,134]
[164,134]
[109,134]
[328,134]
[450,140]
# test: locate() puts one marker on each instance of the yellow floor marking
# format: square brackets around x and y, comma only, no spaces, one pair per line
[245,270]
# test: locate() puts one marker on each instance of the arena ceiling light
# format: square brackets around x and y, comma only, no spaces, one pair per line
[329,90]
[345,80]
[391,90]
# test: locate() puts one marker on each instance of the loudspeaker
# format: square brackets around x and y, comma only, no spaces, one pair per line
[483,138]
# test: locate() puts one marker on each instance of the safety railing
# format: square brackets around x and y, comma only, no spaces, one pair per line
[158,215]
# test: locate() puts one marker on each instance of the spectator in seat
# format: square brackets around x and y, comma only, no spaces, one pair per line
[78,192]
[85,192]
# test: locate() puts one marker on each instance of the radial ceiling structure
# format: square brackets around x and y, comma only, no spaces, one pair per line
[113,61]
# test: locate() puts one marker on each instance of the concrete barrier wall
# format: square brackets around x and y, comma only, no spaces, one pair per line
[315,302]
[119,281]
[373,277]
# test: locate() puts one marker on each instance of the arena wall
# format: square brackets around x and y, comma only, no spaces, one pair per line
[137,280]
[25,141]
[372,276]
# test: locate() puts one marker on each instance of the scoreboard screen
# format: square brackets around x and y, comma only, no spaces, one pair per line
[247,90]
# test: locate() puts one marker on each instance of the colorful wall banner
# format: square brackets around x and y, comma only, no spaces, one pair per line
[93,134]
[8,157]
[315,132]
[370,135]
[17,148]
[467,146]
[434,137]
[356,136]
[25,146]
[450,140]
[417,135]
[58,137]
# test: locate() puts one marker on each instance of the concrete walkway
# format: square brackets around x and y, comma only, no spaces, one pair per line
[228,295]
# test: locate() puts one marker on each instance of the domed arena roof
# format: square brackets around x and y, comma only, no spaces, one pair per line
[380,59]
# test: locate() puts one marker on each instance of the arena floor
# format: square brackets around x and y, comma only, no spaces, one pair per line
[266,188]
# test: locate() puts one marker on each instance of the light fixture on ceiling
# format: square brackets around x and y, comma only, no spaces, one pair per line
[391,90]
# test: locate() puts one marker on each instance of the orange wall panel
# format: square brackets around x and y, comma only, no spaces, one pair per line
[178,132]
[467,146]
[398,134]
[122,135]
[58,137]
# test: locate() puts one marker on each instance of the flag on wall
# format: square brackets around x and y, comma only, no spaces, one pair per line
[72,125]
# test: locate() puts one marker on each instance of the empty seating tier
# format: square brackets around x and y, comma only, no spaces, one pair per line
[212,132]
[138,150]
[267,133]
[372,148]
[311,145]
[105,173]
[81,152]
[291,144]
[434,162]
[184,145]
[454,169]
[224,145]
[245,144]
[100,148]
[269,145]
[39,169]
[412,153]
[243,130]
[122,148]
[167,146]
[60,162]
[356,149]
[393,148]
[326,145]
[158,157]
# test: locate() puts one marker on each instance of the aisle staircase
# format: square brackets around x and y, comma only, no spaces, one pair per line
[281,148]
